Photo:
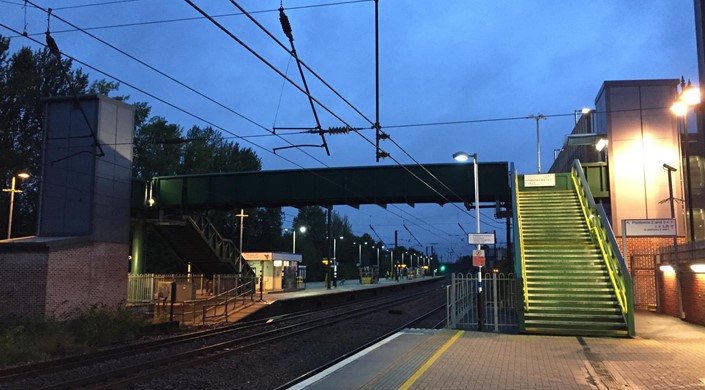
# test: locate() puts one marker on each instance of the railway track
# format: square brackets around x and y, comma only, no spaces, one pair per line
[138,363]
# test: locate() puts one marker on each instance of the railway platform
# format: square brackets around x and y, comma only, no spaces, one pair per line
[666,353]
[317,295]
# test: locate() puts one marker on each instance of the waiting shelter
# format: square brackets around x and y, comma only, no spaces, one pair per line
[278,271]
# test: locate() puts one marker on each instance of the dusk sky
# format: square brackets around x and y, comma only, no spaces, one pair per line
[477,62]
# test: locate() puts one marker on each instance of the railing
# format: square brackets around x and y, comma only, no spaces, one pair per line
[221,309]
[498,296]
[144,288]
[519,240]
[602,233]
[223,247]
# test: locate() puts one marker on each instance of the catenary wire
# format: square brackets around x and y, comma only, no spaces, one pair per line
[172,79]
[213,124]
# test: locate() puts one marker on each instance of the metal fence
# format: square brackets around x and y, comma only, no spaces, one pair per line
[498,303]
[144,288]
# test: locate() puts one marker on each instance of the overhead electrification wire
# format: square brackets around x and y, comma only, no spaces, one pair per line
[207,122]
[293,53]
[170,78]
[95,4]
[286,26]
[319,161]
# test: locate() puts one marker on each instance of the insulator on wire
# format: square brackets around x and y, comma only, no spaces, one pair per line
[53,47]
[286,26]
[339,130]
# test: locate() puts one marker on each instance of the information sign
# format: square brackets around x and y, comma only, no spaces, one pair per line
[541,180]
[481,239]
[664,227]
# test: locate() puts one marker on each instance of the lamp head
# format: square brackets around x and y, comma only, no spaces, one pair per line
[302,229]
[669,168]
[463,156]
[601,144]
[23,175]
[691,95]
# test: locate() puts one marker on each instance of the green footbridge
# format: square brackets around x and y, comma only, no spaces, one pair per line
[572,275]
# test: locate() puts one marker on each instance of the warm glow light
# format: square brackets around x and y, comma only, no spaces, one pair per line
[277,263]
[691,96]
[679,108]
[151,202]
[699,268]
[665,268]
[601,144]
[23,175]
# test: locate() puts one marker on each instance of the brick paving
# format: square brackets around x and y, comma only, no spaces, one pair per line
[667,353]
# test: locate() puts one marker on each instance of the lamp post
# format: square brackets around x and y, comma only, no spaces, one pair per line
[359,252]
[538,141]
[334,245]
[670,170]
[302,229]
[12,192]
[462,156]
[688,97]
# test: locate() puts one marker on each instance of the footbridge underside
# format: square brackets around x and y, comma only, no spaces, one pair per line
[352,186]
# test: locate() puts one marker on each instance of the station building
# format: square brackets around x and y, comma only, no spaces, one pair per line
[650,166]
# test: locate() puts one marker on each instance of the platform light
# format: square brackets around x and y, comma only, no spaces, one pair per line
[698,268]
[601,144]
[666,268]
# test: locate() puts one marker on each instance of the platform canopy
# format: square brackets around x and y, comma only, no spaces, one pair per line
[352,186]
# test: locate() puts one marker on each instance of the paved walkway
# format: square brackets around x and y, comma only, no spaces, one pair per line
[666,354]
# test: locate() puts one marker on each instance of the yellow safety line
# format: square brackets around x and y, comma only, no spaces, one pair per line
[430,361]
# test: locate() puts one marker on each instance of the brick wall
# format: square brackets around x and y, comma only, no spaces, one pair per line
[79,277]
[58,280]
[693,296]
[668,292]
[641,252]
[22,284]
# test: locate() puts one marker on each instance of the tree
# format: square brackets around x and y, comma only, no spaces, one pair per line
[157,149]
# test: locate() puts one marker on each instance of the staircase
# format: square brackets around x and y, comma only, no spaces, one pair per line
[569,291]
[196,241]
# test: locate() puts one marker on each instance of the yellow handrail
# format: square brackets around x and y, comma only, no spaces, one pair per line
[521,246]
[621,295]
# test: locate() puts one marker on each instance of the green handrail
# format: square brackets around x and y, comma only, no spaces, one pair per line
[520,240]
[601,231]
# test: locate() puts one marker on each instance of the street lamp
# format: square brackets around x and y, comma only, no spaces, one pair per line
[334,245]
[359,252]
[12,192]
[462,156]
[688,97]
[302,229]
[538,142]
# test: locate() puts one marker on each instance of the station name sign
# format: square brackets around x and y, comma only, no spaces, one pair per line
[541,180]
[664,227]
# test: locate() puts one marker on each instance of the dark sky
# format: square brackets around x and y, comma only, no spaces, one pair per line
[478,62]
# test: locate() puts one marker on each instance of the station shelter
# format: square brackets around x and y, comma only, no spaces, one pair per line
[278,271]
